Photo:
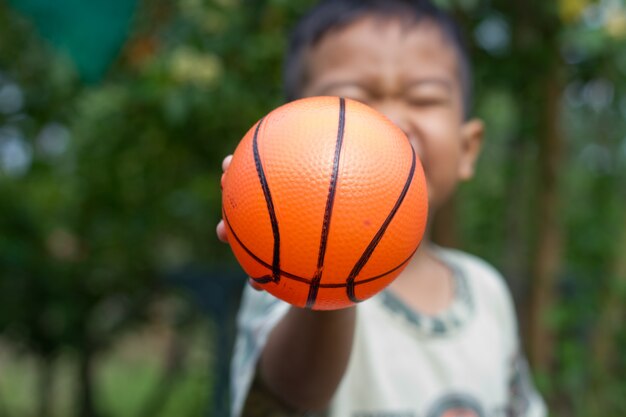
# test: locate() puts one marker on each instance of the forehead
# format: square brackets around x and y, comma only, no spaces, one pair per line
[379,46]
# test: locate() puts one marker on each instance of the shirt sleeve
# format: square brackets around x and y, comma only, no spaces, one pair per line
[258,314]
[524,399]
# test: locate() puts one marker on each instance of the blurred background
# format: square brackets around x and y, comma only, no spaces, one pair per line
[116,299]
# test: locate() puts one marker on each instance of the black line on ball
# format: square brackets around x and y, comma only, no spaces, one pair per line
[270,203]
[265,278]
[330,201]
[372,245]
[268,278]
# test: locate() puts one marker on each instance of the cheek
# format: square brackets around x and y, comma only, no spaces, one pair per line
[437,142]
[438,145]
[441,124]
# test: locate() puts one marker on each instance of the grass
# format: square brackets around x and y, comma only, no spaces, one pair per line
[125,377]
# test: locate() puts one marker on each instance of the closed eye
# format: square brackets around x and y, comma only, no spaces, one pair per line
[428,101]
[346,89]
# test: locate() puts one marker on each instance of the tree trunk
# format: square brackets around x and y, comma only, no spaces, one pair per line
[45,387]
[515,252]
[85,379]
[610,318]
[548,247]
[172,364]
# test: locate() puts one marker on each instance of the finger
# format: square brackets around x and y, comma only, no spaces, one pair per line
[255,284]
[226,162]
[221,231]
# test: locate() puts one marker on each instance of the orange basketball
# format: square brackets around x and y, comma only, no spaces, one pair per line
[324,202]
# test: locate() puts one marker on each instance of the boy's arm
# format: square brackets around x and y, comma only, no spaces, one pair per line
[306,356]
[307,352]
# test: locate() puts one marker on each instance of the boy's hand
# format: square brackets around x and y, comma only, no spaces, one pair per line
[221,227]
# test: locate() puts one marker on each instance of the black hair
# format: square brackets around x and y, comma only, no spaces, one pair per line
[334,14]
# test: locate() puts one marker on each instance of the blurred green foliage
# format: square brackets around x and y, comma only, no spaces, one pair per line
[107,188]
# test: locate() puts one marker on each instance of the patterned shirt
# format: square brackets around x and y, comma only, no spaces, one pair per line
[463,362]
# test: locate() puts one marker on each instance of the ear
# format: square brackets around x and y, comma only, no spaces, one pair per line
[471,143]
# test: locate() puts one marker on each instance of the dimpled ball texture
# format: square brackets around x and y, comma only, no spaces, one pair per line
[324,202]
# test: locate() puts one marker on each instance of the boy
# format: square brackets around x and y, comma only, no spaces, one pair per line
[441,340]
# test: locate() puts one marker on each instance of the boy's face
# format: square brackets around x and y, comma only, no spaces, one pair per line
[410,74]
